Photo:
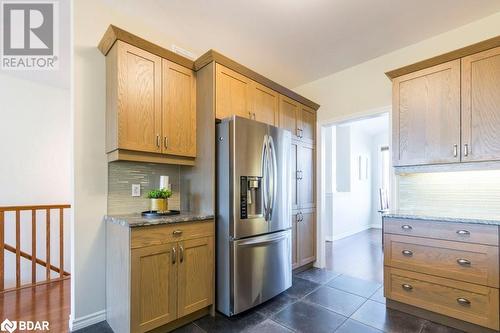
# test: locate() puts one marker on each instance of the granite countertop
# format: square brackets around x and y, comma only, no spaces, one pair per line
[443,217]
[136,220]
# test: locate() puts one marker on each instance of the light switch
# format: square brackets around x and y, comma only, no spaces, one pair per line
[136,190]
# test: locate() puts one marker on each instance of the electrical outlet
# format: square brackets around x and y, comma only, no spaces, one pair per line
[136,190]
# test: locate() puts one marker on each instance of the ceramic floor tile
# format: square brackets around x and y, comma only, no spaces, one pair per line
[189,328]
[336,300]
[301,287]
[275,305]
[268,326]
[101,327]
[353,326]
[306,317]
[430,327]
[317,275]
[223,324]
[355,285]
[378,296]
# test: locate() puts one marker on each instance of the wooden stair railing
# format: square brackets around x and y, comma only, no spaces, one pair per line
[32,257]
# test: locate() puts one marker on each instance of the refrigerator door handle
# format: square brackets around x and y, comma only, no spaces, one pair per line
[264,175]
[274,176]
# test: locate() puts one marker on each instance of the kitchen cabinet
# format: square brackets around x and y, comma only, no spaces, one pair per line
[154,287]
[304,236]
[266,104]
[426,116]
[307,127]
[306,176]
[295,175]
[289,111]
[443,271]
[195,264]
[159,275]
[233,93]
[481,106]
[178,110]
[151,107]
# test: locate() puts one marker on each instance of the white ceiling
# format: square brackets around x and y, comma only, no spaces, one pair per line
[372,126]
[297,41]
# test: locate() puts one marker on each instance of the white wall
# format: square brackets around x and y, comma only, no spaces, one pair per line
[377,141]
[91,19]
[365,87]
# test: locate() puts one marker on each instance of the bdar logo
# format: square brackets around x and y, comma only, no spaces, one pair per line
[8,326]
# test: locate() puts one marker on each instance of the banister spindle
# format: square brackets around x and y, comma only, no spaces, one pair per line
[2,247]
[47,243]
[33,246]
[18,248]
[61,242]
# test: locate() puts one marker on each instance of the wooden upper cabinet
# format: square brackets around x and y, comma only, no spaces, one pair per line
[307,127]
[196,275]
[266,104]
[153,287]
[134,85]
[179,110]
[289,112]
[426,116]
[306,176]
[481,106]
[233,93]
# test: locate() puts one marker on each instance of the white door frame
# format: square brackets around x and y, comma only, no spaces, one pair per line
[320,172]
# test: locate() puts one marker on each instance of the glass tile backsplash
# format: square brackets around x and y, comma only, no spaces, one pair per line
[121,176]
[474,194]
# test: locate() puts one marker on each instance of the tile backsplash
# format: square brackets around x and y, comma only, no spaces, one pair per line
[121,176]
[474,194]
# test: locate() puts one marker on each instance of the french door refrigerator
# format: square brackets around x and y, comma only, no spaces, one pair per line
[253,213]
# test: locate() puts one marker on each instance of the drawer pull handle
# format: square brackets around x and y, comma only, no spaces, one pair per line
[407,287]
[181,253]
[463,262]
[463,301]
[177,232]
[463,232]
[407,253]
[406,227]
[174,256]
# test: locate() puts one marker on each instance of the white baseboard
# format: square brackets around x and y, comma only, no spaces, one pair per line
[376,226]
[87,320]
[329,238]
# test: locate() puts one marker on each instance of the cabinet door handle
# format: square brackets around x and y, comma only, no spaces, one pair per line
[463,232]
[177,232]
[165,142]
[463,301]
[463,262]
[466,149]
[254,118]
[158,140]
[407,287]
[174,256]
[406,227]
[181,253]
[455,150]
[407,253]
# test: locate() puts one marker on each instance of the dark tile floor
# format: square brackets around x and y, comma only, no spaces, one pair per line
[326,300]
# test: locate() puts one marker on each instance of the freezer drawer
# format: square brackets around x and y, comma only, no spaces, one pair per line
[262,268]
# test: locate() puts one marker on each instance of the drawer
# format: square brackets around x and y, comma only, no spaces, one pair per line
[475,263]
[167,233]
[461,232]
[465,301]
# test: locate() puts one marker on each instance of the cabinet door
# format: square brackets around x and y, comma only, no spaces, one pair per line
[306,175]
[266,103]
[233,93]
[154,286]
[306,237]
[426,116]
[139,99]
[288,114]
[179,110]
[481,106]
[295,256]
[294,150]
[307,128]
[196,262]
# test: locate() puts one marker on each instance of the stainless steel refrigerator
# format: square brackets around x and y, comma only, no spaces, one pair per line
[253,214]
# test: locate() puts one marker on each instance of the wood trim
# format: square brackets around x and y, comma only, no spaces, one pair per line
[61,242]
[38,207]
[181,321]
[456,54]
[18,249]
[212,55]
[113,33]
[2,249]
[33,246]
[28,256]
[136,156]
[47,244]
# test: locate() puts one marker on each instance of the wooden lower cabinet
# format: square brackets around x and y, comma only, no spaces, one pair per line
[159,276]
[153,287]
[303,237]
[195,264]
[443,271]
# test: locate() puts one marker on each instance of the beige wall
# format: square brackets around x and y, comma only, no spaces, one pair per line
[365,87]
[91,19]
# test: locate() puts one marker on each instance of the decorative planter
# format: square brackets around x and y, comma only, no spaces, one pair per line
[159,205]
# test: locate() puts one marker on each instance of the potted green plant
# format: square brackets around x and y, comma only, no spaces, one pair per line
[159,199]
